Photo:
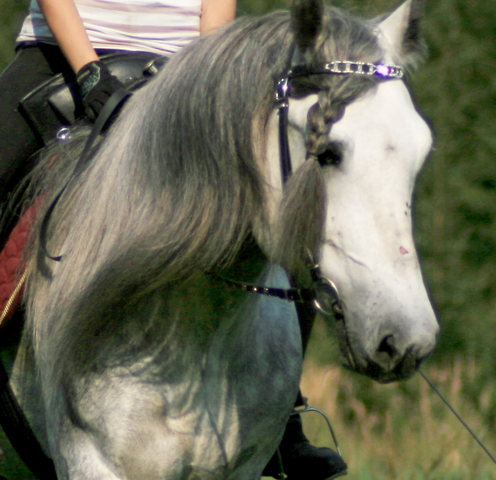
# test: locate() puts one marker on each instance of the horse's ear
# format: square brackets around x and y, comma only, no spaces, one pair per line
[306,22]
[401,31]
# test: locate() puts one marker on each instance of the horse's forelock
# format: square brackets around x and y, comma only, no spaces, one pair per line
[301,219]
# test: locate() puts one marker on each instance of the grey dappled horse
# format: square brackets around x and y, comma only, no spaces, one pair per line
[137,360]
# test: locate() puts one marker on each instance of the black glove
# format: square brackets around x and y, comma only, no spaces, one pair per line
[97,85]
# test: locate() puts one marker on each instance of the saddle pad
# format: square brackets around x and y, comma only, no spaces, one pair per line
[11,271]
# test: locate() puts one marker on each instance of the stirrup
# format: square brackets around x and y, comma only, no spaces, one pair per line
[306,408]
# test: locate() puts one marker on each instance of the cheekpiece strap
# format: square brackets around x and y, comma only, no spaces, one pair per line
[282,99]
[300,295]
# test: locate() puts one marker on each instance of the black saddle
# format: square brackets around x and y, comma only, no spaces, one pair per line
[57,103]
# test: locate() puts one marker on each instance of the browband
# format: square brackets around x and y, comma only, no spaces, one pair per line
[347,67]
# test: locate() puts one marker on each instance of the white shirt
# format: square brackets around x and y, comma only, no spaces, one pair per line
[157,26]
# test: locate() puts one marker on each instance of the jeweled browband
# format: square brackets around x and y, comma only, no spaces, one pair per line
[346,67]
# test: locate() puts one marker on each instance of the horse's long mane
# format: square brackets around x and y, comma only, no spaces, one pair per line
[177,184]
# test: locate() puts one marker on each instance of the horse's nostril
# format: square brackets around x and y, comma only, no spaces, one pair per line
[387,346]
[396,357]
[387,354]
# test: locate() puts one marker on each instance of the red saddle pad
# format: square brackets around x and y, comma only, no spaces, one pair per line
[11,268]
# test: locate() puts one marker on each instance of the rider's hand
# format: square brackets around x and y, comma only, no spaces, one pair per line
[97,85]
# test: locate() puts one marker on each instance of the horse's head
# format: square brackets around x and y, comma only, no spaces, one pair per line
[365,143]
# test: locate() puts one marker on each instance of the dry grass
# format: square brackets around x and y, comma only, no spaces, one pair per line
[401,431]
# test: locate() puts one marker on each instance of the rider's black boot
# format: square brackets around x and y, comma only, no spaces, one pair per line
[301,460]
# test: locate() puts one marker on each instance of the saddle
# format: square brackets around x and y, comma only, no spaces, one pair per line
[56,103]
[48,108]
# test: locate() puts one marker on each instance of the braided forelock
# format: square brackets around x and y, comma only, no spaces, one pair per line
[301,220]
[321,116]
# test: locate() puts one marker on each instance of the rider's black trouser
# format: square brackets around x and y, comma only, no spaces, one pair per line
[32,65]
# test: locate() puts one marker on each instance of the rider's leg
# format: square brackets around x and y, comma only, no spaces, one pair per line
[31,66]
[300,459]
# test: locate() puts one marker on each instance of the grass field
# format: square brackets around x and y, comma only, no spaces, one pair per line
[401,431]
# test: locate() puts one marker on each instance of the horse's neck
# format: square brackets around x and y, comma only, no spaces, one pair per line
[221,382]
[248,360]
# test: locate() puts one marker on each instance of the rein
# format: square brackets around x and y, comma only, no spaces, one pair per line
[132,80]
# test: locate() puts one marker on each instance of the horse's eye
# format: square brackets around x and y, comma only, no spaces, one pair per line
[333,155]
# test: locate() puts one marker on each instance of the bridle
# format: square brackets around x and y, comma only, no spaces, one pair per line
[324,294]
[339,67]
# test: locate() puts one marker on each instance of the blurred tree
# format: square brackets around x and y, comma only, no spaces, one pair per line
[456,198]
[12,13]
[457,194]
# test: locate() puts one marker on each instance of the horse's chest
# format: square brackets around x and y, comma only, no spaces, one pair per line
[219,409]
[247,388]
[261,368]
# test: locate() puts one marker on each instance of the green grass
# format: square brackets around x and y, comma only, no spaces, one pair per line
[402,431]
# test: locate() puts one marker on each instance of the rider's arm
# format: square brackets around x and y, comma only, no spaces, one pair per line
[215,14]
[68,29]
[66,25]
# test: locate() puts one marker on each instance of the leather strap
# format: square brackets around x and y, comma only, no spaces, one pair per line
[284,152]
[297,295]
[109,110]
[282,97]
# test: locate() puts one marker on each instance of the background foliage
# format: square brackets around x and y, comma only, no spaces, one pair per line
[455,206]
[11,15]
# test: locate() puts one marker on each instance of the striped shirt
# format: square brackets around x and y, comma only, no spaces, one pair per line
[157,26]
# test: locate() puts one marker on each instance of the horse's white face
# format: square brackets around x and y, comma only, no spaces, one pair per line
[369,250]
[389,323]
